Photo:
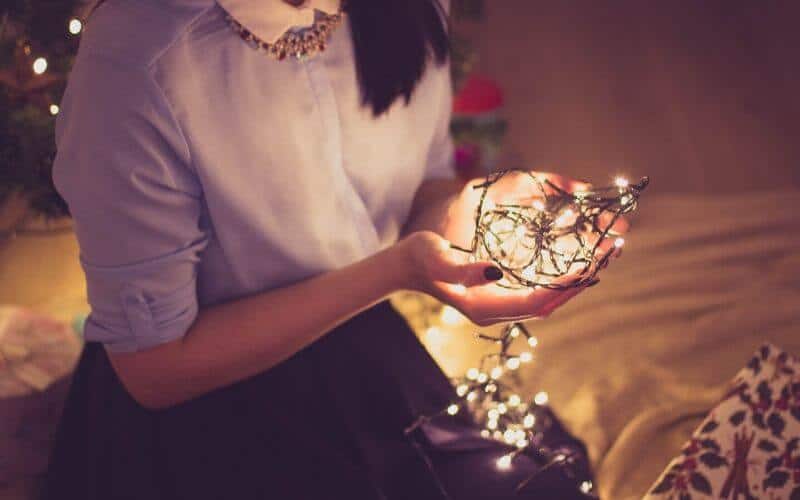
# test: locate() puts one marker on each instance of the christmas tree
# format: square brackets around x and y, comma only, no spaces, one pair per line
[38,41]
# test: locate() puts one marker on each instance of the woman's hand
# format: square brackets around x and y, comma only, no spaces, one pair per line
[445,273]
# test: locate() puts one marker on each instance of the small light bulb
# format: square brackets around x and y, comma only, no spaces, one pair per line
[529,421]
[462,389]
[491,424]
[512,363]
[522,443]
[541,398]
[493,414]
[39,65]
[621,182]
[497,435]
[525,357]
[482,378]
[54,109]
[75,26]
[529,273]
[452,409]
[451,316]
[502,409]
[514,400]
[514,333]
[509,436]
[533,341]
[496,372]
[491,388]
[485,434]
[472,373]
[586,487]
[504,462]
[472,396]
[619,242]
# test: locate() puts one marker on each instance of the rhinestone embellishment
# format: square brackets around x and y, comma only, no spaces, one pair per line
[300,44]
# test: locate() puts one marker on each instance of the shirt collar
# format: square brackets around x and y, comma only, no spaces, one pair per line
[269,19]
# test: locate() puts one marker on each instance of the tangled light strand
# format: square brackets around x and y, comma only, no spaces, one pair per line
[551,234]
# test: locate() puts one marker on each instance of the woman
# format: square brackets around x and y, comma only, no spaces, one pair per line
[238,199]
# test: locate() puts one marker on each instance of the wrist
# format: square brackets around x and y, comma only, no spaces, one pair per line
[399,266]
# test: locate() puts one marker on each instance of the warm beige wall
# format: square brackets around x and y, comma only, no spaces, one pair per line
[701,95]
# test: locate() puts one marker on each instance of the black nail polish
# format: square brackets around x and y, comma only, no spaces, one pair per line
[492,273]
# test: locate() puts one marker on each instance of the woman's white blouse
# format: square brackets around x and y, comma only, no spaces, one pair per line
[198,169]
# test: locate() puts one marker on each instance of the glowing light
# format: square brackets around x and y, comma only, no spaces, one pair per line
[54,109]
[491,388]
[541,398]
[586,486]
[504,462]
[435,338]
[491,424]
[533,341]
[75,26]
[512,363]
[529,421]
[485,433]
[619,242]
[502,409]
[496,372]
[482,378]
[39,65]
[472,373]
[514,400]
[566,218]
[522,443]
[621,182]
[493,414]
[525,357]
[509,436]
[462,389]
[452,409]
[514,333]
[529,273]
[472,396]
[451,316]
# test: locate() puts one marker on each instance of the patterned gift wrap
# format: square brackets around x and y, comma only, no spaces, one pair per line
[748,446]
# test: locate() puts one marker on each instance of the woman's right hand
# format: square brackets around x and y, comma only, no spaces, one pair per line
[446,274]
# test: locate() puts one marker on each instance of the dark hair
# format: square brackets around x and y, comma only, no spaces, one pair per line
[393,41]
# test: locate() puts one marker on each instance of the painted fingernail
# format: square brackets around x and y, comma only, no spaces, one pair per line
[593,282]
[492,273]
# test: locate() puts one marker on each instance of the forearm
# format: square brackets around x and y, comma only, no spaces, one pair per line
[233,341]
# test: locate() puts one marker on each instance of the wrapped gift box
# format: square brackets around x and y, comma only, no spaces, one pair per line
[747,447]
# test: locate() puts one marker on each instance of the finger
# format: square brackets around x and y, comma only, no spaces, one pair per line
[468,274]
[564,298]
[619,226]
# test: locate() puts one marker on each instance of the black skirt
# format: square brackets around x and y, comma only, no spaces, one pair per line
[328,423]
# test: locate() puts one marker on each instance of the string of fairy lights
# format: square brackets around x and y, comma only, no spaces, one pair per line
[549,233]
[39,65]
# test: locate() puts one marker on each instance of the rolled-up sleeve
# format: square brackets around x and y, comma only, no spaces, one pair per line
[124,168]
